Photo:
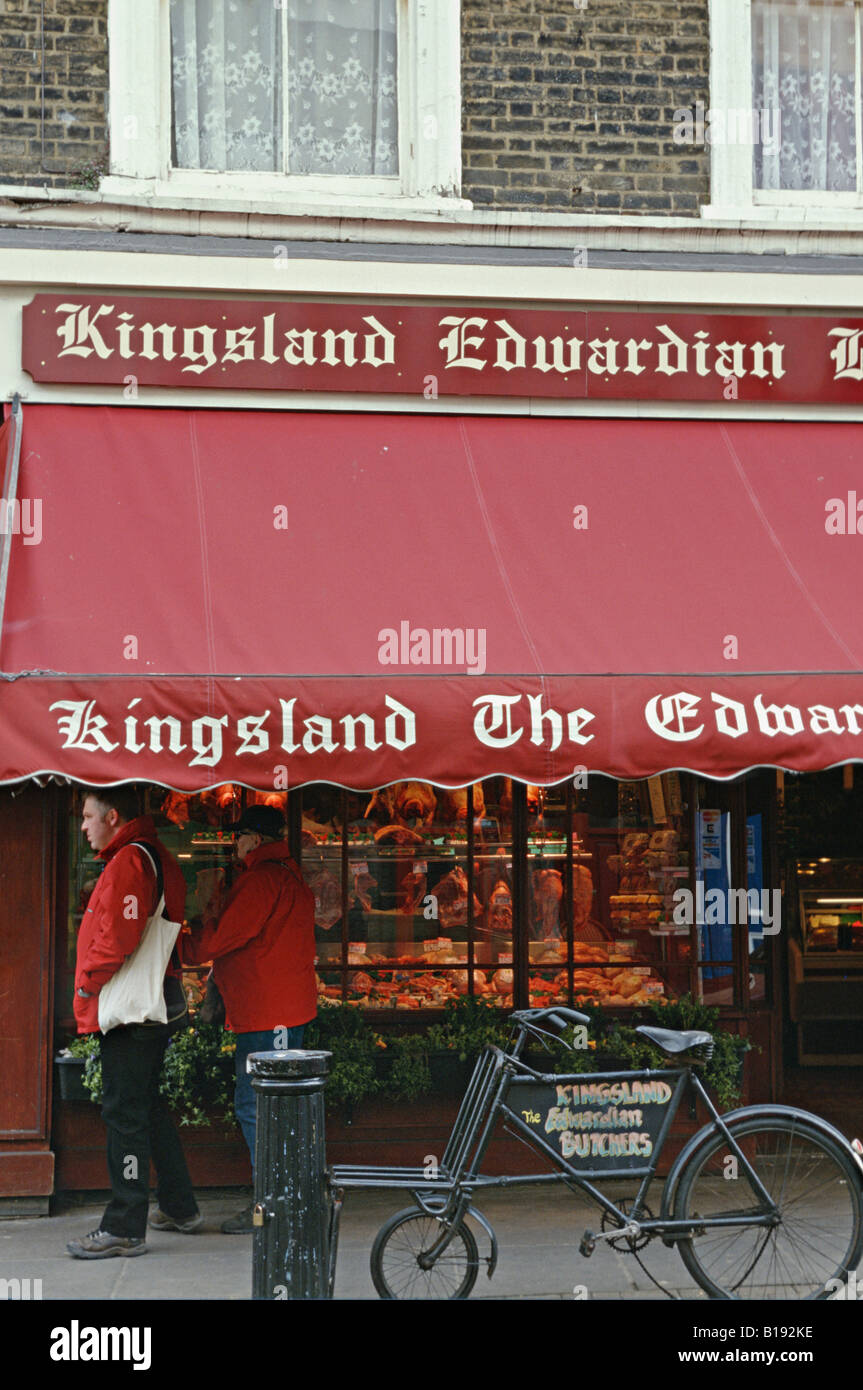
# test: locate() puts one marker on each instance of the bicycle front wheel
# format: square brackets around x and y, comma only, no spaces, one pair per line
[815,1186]
[399,1248]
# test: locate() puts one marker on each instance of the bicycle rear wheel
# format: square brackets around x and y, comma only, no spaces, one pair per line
[396,1253]
[814,1184]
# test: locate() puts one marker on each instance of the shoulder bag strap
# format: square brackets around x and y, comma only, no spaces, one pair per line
[156,866]
[155,861]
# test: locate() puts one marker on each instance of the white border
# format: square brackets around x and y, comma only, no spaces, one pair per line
[270,274]
[731,188]
[429,120]
[26,272]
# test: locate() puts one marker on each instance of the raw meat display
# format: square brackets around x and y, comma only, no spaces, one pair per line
[409,875]
[499,910]
[328,895]
[412,892]
[451,894]
[547,895]
[364,886]
[397,835]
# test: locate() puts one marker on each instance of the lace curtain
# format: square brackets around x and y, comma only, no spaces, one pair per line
[226,58]
[230,83]
[804,67]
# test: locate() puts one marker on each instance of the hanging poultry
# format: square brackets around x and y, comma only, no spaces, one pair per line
[414,802]
[277,799]
[176,808]
[221,804]
[453,804]
[534,799]
[382,806]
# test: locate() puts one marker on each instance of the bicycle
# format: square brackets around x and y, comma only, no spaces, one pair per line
[765,1201]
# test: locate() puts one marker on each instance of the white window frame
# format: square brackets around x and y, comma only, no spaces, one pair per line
[732,192]
[429,100]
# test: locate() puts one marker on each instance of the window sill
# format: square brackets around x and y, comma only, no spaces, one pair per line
[291,200]
[772,217]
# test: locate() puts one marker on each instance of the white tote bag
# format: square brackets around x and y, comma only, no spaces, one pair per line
[136,993]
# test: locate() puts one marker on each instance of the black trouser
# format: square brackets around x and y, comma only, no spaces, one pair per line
[140,1128]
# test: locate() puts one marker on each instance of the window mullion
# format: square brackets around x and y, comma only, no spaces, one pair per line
[286,58]
[859,96]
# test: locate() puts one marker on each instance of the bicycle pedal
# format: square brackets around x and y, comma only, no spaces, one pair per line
[588,1244]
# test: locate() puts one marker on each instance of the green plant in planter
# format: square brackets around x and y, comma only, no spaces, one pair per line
[615,1045]
[469,1024]
[342,1030]
[87,1046]
[410,1075]
[724,1072]
[197,1076]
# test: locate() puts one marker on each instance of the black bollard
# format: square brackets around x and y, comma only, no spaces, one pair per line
[290,1258]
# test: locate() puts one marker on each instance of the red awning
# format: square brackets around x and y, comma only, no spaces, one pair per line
[493,595]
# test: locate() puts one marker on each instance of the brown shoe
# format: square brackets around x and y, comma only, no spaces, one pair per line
[239,1225]
[101,1245]
[160,1222]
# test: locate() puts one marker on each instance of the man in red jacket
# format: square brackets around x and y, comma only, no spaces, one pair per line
[136,1116]
[263,951]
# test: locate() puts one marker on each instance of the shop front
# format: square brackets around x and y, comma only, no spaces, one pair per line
[525,688]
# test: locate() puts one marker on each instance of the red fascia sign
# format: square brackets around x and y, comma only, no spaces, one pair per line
[439,351]
[190,732]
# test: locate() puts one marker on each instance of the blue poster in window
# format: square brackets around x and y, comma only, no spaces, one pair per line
[754,879]
[712,872]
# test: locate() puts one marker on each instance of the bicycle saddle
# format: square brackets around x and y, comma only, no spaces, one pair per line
[671,1041]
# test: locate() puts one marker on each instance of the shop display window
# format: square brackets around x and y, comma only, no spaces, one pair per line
[520,895]
[413,892]
[631,943]
[416,899]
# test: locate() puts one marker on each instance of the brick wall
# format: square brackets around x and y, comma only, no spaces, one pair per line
[73,135]
[568,106]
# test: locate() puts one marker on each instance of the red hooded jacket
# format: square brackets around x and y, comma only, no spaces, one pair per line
[263,944]
[111,927]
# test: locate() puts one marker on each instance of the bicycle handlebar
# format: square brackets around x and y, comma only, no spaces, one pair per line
[557,1015]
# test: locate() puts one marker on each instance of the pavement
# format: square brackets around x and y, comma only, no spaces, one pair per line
[538,1232]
